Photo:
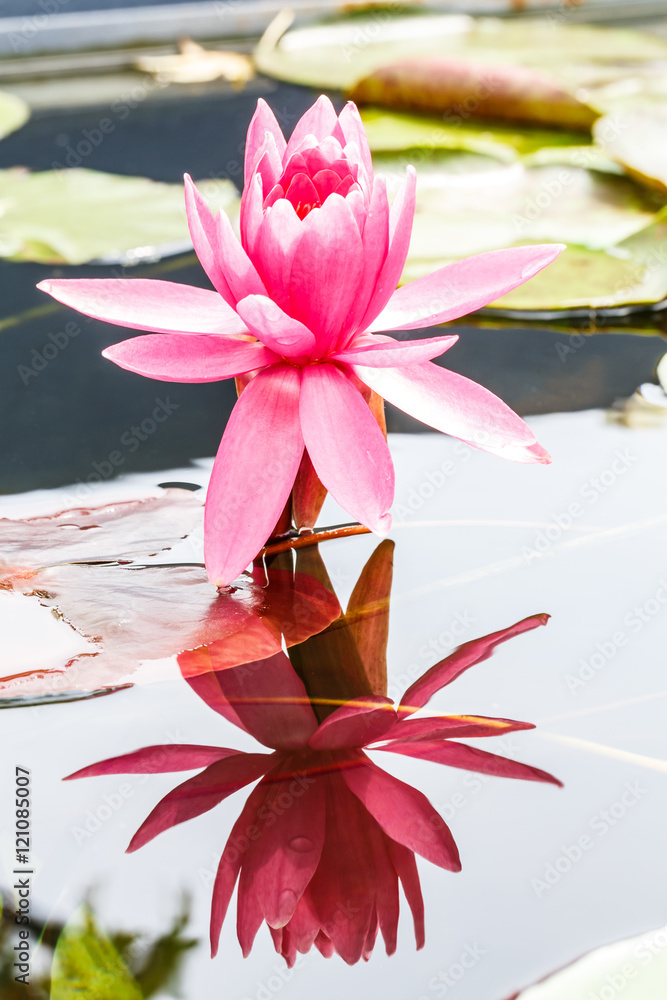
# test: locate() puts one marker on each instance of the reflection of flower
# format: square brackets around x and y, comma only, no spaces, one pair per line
[326,835]
[299,303]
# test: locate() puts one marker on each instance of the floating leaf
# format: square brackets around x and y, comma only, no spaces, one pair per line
[635,968]
[468,204]
[389,131]
[194,64]
[338,54]
[637,139]
[86,964]
[77,216]
[13,113]
[135,614]
[124,530]
[465,88]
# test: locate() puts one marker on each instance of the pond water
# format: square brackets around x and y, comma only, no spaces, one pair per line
[548,873]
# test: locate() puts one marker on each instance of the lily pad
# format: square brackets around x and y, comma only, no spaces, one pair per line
[390,131]
[637,138]
[336,55]
[13,113]
[613,227]
[78,216]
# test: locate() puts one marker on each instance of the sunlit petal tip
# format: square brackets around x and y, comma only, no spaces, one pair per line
[538,454]
[541,260]
[383,525]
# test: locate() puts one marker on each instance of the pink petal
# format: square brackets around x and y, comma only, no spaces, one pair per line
[392,355]
[319,121]
[278,237]
[254,471]
[231,861]
[303,195]
[197,669]
[204,237]
[263,121]
[199,794]
[328,181]
[467,655]
[269,165]
[354,132]
[304,925]
[346,446]
[376,243]
[470,759]
[275,329]
[308,495]
[400,229]
[240,272]
[155,760]
[147,304]
[458,406]
[284,858]
[452,726]
[463,287]
[177,358]
[404,814]
[358,722]
[252,214]
[404,862]
[269,699]
[326,269]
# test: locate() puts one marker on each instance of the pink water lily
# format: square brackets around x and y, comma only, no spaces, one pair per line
[326,835]
[301,308]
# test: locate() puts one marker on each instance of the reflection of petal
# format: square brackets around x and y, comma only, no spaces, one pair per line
[356,723]
[404,814]
[452,726]
[201,793]
[156,760]
[367,614]
[404,862]
[284,857]
[266,695]
[467,655]
[470,759]
[230,863]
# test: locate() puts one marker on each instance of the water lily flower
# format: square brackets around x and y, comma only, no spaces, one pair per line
[301,309]
[326,835]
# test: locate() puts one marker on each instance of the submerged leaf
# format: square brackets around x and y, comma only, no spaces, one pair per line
[14,113]
[465,88]
[77,216]
[87,964]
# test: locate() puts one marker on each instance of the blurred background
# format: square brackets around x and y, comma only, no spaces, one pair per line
[106,103]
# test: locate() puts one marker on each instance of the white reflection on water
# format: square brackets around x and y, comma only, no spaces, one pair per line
[602,737]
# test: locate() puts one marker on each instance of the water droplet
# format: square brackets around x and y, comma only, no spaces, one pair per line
[301,844]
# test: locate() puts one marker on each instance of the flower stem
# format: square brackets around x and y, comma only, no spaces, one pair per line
[312,538]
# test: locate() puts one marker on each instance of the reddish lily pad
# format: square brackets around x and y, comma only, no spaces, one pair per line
[461,89]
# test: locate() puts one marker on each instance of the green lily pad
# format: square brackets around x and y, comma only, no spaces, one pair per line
[87,964]
[615,229]
[78,216]
[635,969]
[637,138]
[337,54]
[390,131]
[13,113]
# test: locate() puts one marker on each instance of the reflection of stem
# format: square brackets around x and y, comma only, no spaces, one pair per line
[312,538]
